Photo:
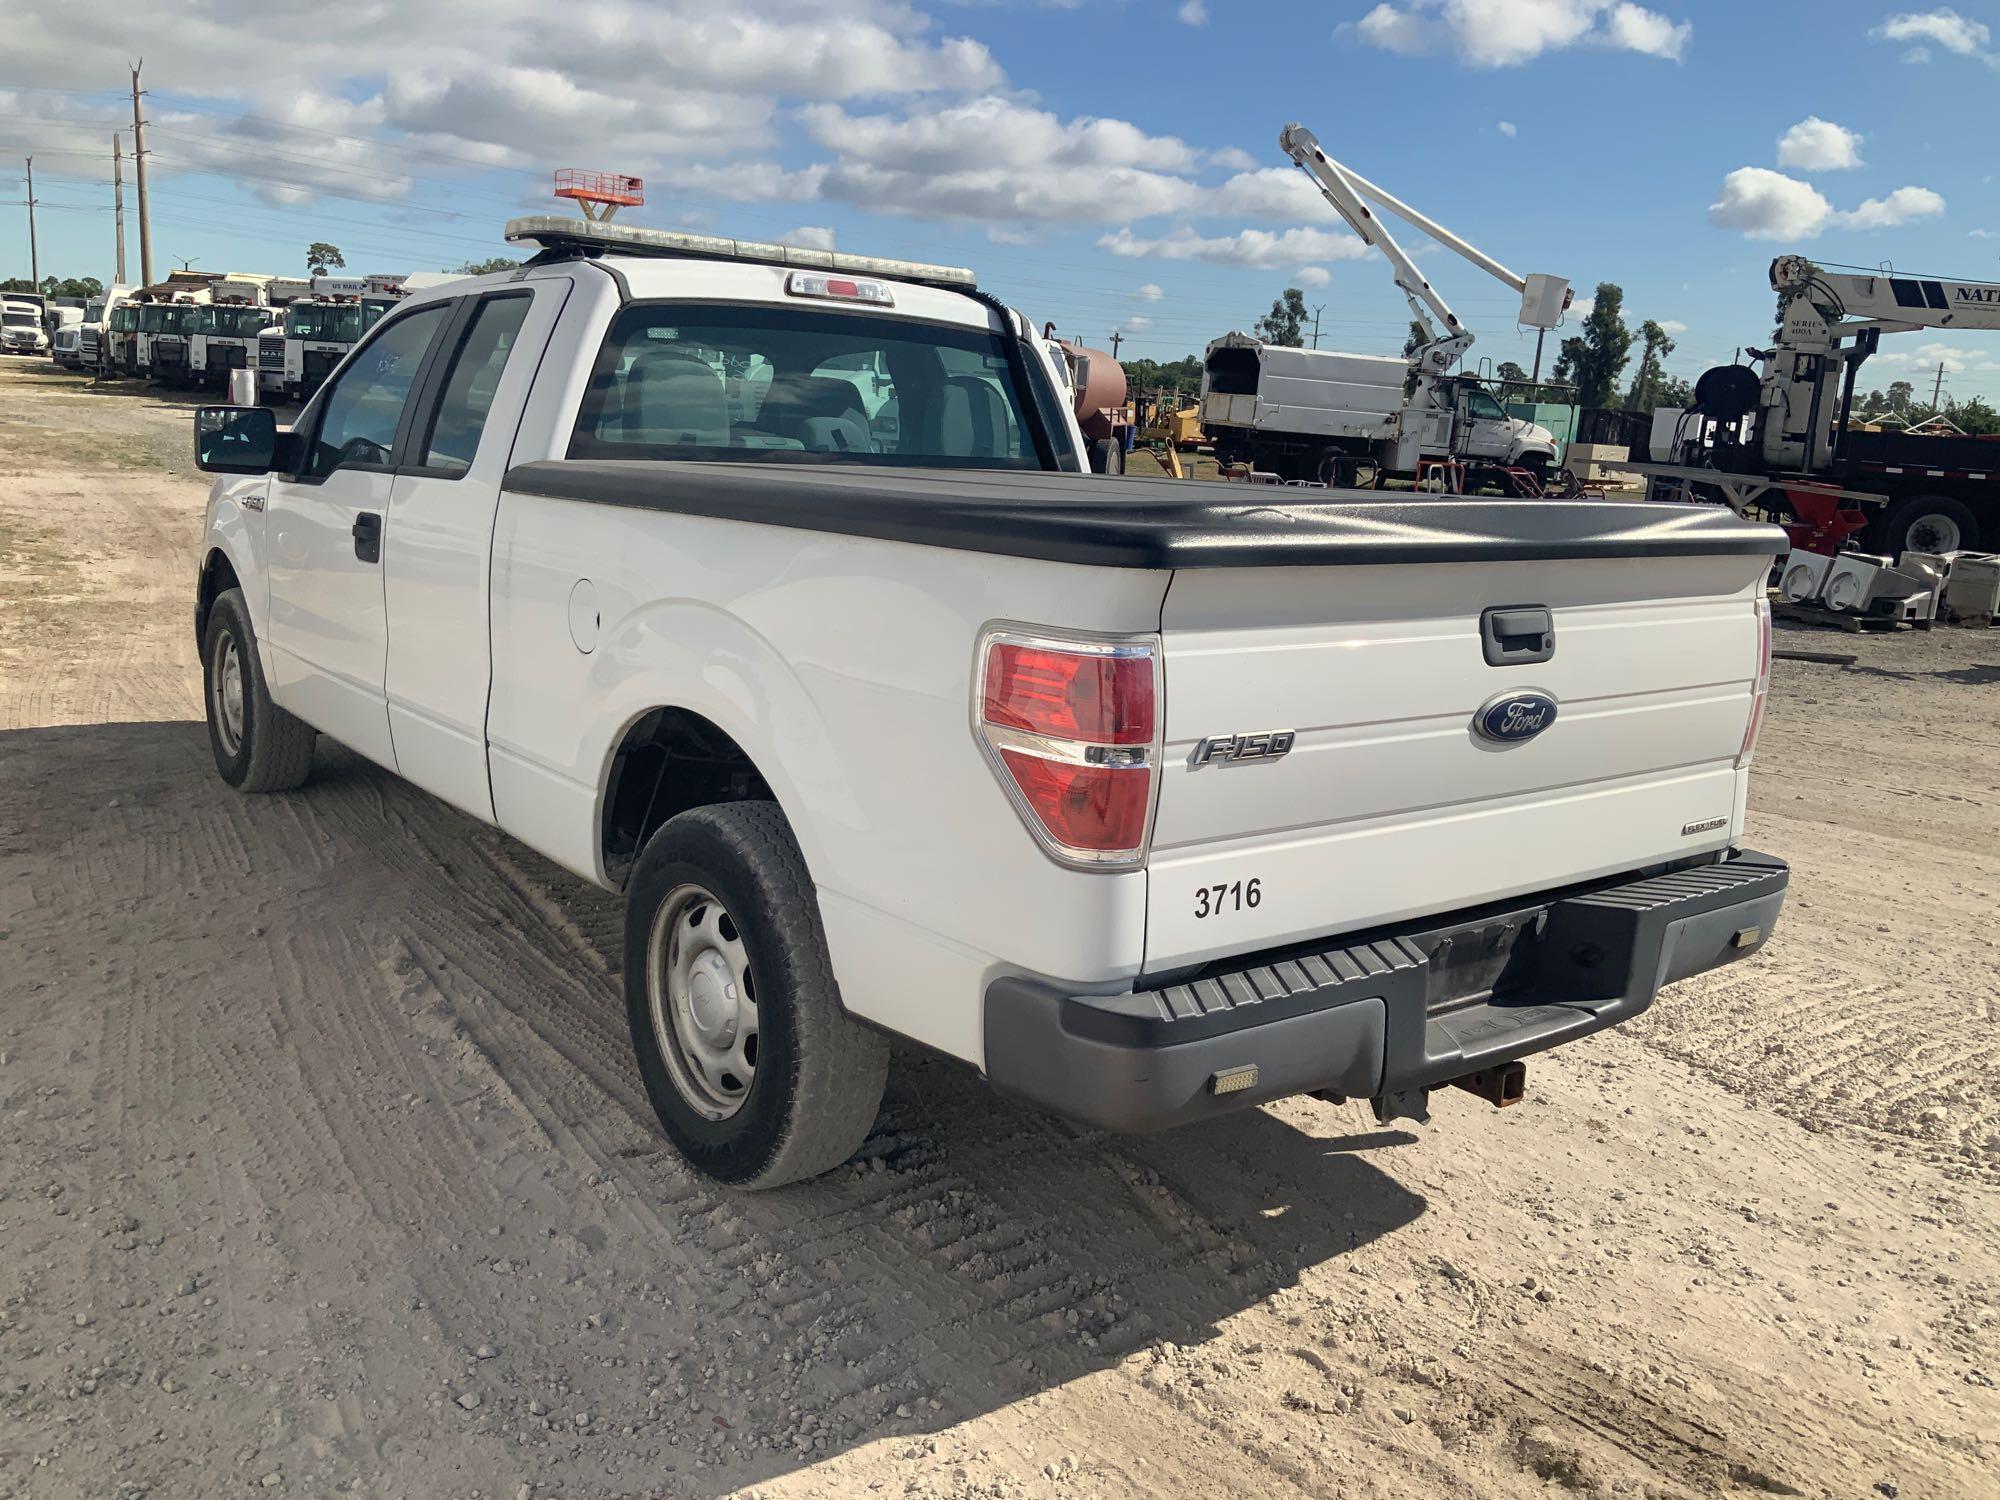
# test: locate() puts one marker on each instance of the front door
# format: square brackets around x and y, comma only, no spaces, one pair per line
[328,636]
[1484,431]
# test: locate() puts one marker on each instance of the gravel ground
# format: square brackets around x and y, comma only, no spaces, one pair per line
[324,1169]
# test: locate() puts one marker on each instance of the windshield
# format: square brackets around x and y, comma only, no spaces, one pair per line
[324,322]
[166,317]
[19,319]
[93,311]
[675,380]
[1483,406]
[232,321]
[124,318]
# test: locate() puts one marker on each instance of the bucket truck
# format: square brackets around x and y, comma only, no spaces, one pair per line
[1311,414]
[1794,453]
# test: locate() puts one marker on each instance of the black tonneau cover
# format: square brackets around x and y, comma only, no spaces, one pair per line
[1148,523]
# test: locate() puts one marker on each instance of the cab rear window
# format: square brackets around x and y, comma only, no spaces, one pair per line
[739,383]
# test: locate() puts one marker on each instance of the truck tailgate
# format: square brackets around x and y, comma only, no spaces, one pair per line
[1389,804]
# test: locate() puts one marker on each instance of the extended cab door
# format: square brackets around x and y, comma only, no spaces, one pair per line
[328,632]
[435,567]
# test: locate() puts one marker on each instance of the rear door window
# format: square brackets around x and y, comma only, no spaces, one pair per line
[681,380]
[476,367]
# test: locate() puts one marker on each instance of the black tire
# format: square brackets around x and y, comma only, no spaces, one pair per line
[818,1075]
[1909,526]
[266,749]
[1107,456]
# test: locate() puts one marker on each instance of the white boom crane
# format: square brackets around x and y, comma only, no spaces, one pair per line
[1829,323]
[1544,298]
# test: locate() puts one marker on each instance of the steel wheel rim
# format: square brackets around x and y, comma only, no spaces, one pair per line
[1935,533]
[703,1001]
[226,691]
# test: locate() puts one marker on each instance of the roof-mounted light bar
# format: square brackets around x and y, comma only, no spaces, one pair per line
[560,232]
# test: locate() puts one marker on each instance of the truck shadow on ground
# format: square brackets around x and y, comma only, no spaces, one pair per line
[404,1033]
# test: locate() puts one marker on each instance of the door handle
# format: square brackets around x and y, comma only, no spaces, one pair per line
[368,537]
[1517,636]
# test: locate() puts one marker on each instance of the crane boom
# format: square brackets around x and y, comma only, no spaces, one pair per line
[1895,304]
[1544,298]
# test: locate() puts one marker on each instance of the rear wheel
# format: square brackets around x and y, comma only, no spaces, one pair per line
[757,1074]
[1926,523]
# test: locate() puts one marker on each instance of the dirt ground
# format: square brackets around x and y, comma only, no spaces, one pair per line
[324,1169]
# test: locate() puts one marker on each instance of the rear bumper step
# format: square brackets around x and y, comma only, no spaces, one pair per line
[1386,1018]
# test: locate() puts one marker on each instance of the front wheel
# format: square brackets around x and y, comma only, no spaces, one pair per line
[758,1075]
[258,746]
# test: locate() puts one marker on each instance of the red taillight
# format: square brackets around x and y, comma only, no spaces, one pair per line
[1100,699]
[1073,730]
[1761,689]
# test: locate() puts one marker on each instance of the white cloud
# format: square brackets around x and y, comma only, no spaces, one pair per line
[1193,13]
[1984,234]
[1307,276]
[1673,326]
[1134,324]
[1901,206]
[1817,145]
[1582,308]
[992,158]
[1283,194]
[1636,29]
[1767,205]
[1944,26]
[1956,361]
[1508,128]
[1508,33]
[1234,158]
[1150,291]
[1261,248]
[808,237]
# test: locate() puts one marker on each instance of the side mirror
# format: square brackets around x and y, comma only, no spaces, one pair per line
[236,440]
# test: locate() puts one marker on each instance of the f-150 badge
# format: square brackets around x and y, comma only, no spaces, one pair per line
[1512,717]
[1267,744]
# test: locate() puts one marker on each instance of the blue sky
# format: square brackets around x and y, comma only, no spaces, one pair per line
[1102,163]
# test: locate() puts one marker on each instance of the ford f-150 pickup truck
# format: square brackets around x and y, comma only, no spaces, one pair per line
[770,587]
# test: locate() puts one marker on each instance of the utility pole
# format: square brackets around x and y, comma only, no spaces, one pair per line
[187,261]
[1316,312]
[118,202]
[1117,338]
[1536,378]
[34,254]
[139,170]
[1937,390]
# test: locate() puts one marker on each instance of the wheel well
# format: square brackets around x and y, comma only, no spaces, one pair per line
[670,760]
[217,578]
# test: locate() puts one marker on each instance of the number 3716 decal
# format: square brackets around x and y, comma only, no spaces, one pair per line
[1213,900]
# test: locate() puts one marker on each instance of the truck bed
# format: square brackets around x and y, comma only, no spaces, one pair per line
[1149,522]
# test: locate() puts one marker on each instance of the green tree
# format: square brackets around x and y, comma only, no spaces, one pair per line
[18,284]
[322,257]
[1975,416]
[1595,358]
[1283,323]
[1180,377]
[1671,390]
[71,286]
[485,267]
[1657,347]
[1873,402]
[1512,373]
[1900,392]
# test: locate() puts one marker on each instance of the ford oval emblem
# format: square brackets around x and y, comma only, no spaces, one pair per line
[1513,717]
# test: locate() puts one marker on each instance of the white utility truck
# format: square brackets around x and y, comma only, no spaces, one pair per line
[94,343]
[21,329]
[1308,415]
[1146,799]
[166,324]
[226,331]
[321,327]
[1317,415]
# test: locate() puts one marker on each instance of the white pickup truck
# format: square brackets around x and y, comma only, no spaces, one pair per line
[769,587]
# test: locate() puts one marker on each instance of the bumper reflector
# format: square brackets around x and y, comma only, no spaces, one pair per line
[1233,1080]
